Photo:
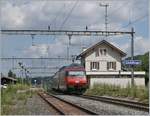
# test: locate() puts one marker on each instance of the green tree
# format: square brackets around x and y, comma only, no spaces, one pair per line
[144,66]
[14,75]
[10,73]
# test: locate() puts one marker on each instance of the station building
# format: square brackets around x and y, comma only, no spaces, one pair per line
[102,63]
[7,80]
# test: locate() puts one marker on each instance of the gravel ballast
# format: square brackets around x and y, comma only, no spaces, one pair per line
[37,106]
[102,108]
[33,106]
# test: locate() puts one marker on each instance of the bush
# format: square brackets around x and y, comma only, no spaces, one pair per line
[140,92]
[10,96]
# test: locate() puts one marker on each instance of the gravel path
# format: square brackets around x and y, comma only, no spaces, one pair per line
[101,107]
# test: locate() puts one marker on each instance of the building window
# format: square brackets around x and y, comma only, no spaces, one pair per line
[97,53]
[111,65]
[94,65]
[103,52]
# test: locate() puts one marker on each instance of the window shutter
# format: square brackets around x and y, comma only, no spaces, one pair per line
[105,52]
[96,53]
[94,65]
[114,65]
[107,65]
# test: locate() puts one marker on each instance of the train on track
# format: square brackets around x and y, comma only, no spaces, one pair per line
[70,79]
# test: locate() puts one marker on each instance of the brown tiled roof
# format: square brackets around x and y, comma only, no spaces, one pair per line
[10,78]
[99,43]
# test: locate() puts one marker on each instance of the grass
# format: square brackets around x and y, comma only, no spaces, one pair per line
[10,97]
[137,92]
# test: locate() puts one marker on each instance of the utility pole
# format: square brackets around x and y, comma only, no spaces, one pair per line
[32,36]
[59,61]
[22,76]
[73,58]
[68,54]
[21,71]
[13,63]
[132,56]
[25,72]
[106,16]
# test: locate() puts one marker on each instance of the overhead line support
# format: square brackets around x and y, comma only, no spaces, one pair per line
[106,15]
[63,32]
[25,58]
[132,56]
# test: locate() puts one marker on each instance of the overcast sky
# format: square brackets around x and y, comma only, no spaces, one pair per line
[38,14]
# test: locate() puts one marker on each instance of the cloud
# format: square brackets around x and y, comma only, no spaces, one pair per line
[46,50]
[39,14]
[12,16]
[36,51]
[141,45]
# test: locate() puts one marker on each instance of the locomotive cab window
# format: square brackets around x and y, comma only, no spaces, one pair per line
[76,73]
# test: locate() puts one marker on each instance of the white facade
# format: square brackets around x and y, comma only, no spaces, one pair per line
[122,82]
[122,73]
[103,65]
[111,56]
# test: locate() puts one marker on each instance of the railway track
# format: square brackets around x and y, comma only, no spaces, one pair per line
[127,103]
[64,107]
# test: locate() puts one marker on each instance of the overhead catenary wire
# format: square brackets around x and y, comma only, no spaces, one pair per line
[131,22]
[121,6]
[135,21]
[111,13]
[115,10]
[58,14]
[118,9]
[69,14]
[55,18]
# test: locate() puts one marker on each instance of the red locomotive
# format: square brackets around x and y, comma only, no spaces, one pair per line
[70,79]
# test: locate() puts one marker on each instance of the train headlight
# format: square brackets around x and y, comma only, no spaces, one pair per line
[76,81]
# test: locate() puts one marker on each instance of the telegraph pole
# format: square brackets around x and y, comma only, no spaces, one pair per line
[132,56]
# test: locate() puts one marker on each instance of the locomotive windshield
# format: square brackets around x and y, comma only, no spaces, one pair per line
[76,73]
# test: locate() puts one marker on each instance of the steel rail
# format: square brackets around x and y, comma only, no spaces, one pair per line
[82,108]
[67,102]
[127,103]
[61,112]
